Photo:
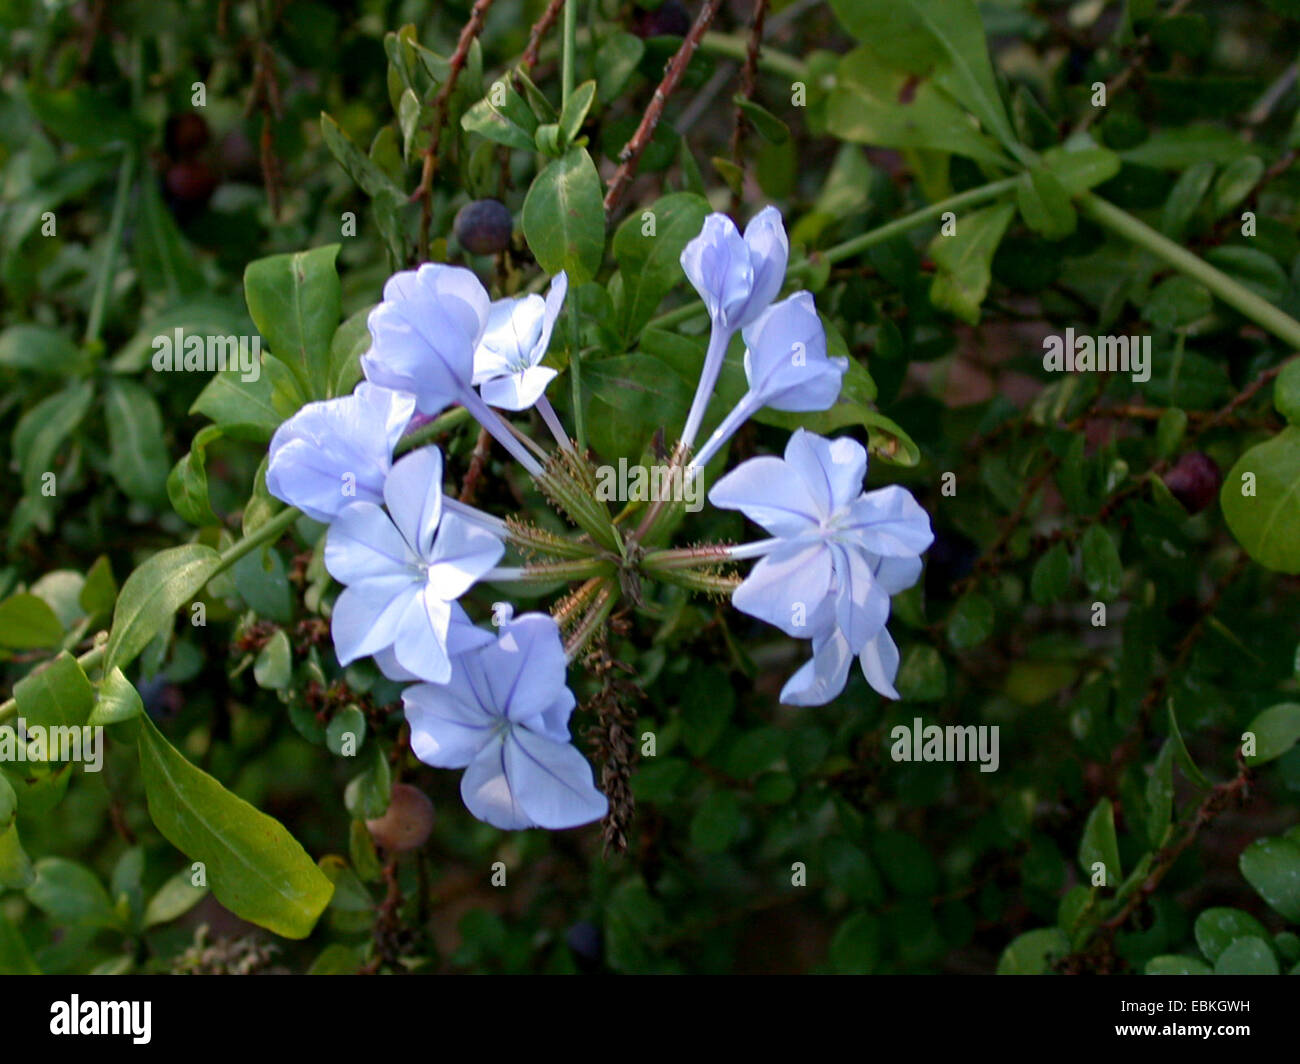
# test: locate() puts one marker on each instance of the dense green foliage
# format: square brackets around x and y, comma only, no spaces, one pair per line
[1113,584]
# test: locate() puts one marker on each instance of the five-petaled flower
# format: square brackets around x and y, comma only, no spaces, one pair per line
[504,718]
[507,363]
[403,570]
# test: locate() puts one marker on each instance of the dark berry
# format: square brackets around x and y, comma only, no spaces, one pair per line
[669,19]
[1194,481]
[185,133]
[190,182]
[406,824]
[483,227]
[585,940]
[950,557]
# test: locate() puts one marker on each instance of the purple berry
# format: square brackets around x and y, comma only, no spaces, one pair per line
[1194,481]
[483,227]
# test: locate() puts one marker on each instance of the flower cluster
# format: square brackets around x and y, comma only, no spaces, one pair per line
[497,704]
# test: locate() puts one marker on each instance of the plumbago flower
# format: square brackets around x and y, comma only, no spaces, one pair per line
[337,451]
[403,570]
[836,556]
[497,704]
[504,718]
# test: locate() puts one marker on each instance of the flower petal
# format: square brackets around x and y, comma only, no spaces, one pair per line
[822,677]
[485,789]
[717,263]
[889,522]
[445,731]
[462,552]
[833,469]
[551,782]
[368,616]
[363,544]
[421,643]
[786,588]
[861,605]
[879,660]
[413,493]
[769,253]
[519,391]
[770,493]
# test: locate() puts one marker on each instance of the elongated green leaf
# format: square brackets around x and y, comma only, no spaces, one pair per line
[115,701]
[874,105]
[232,402]
[16,872]
[55,695]
[137,455]
[564,217]
[152,594]
[174,898]
[41,431]
[40,349]
[648,246]
[166,260]
[939,38]
[69,893]
[295,303]
[364,172]
[1099,843]
[965,260]
[1276,730]
[255,868]
[1272,867]
[15,957]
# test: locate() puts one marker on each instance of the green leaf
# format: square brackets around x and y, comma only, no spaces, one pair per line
[512,124]
[1286,392]
[55,695]
[1051,576]
[1194,775]
[69,893]
[116,700]
[716,822]
[964,261]
[616,60]
[1177,149]
[243,406]
[1103,571]
[1174,965]
[1045,204]
[564,217]
[152,594]
[866,107]
[575,110]
[1034,952]
[351,341]
[921,676]
[627,398]
[273,668]
[363,171]
[1276,730]
[1185,197]
[8,803]
[1160,795]
[707,703]
[1251,267]
[350,721]
[174,898]
[167,262]
[15,957]
[255,868]
[971,621]
[41,431]
[1235,183]
[1081,169]
[367,794]
[1216,929]
[1100,844]
[1247,956]
[856,947]
[137,455]
[83,115]
[1272,867]
[295,303]
[1264,522]
[648,247]
[28,623]
[939,38]
[40,349]
[99,592]
[768,126]
[16,872]
[187,483]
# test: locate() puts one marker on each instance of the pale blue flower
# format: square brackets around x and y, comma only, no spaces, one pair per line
[507,363]
[403,569]
[333,453]
[425,332]
[504,718]
[837,553]
[737,277]
[787,368]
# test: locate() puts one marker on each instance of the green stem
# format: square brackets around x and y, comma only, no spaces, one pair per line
[858,244]
[661,561]
[570,51]
[575,381]
[434,428]
[1236,295]
[266,533]
[736,47]
[117,221]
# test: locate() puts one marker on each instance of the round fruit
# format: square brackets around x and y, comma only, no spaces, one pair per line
[185,133]
[1194,481]
[585,940]
[406,824]
[190,182]
[484,226]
